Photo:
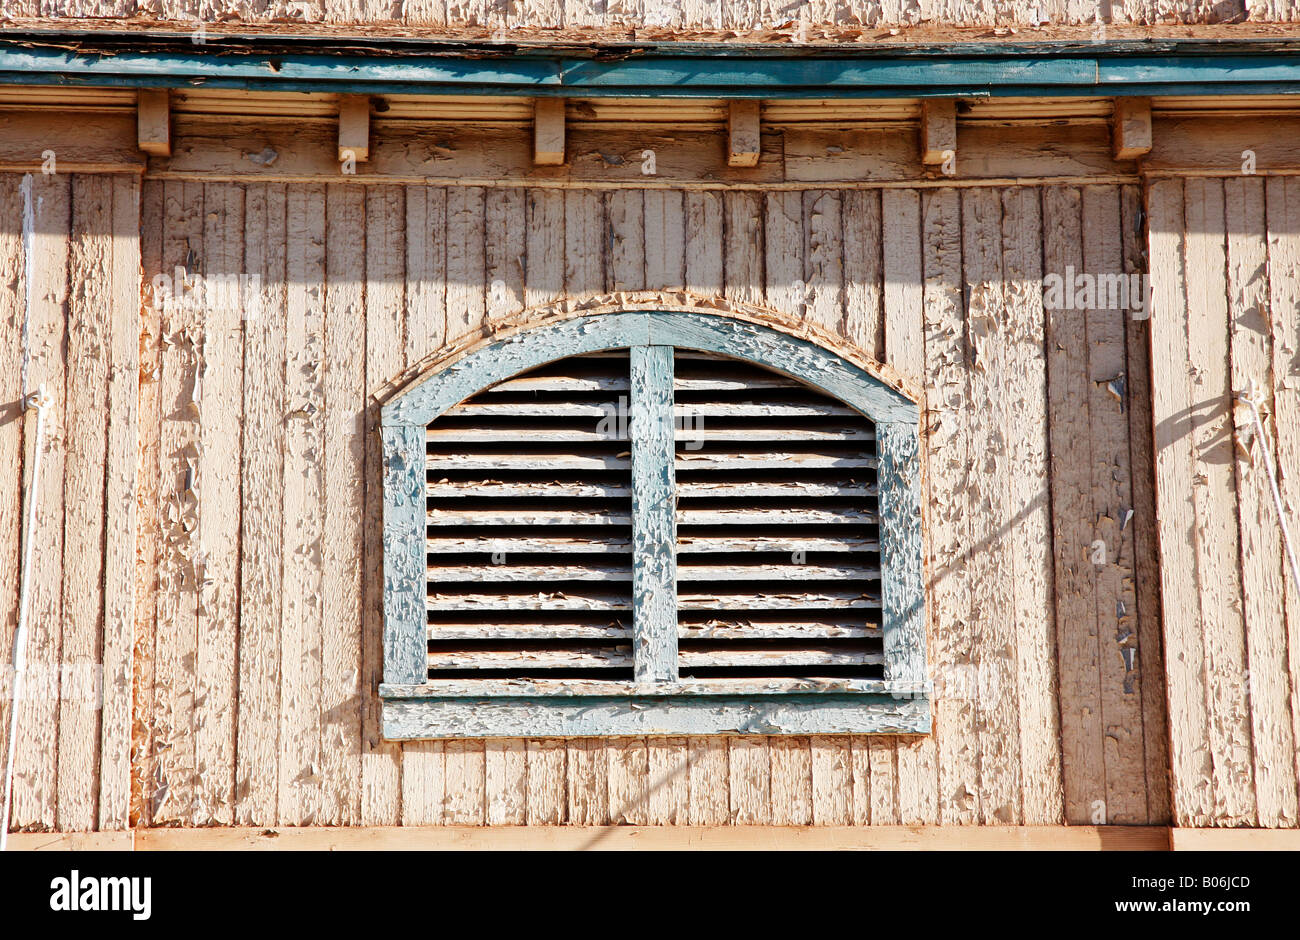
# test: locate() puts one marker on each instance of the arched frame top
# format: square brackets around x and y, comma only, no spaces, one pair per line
[415,707]
[798,358]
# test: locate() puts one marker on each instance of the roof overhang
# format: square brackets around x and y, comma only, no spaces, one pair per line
[392,65]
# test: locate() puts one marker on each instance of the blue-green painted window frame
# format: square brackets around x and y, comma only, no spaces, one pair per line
[655,701]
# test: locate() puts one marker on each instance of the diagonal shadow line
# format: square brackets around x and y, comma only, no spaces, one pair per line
[655,786]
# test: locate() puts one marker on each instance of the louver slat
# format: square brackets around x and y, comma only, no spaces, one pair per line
[778,533]
[529,528]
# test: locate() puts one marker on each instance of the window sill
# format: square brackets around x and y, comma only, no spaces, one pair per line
[555,708]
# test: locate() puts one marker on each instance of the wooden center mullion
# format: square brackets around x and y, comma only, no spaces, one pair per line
[654,515]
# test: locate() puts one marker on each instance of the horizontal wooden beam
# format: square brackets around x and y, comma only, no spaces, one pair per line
[410,151]
[642,838]
[33,142]
[667,838]
[652,714]
[1225,146]
[1236,840]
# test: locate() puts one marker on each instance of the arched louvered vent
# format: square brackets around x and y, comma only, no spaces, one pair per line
[529,527]
[778,555]
[530,568]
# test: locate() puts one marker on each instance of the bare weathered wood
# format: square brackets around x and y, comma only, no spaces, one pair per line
[354,128]
[1150,672]
[743,133]
[153,121]
[548,131]
[1131,128]
[938,130]
[547,801]
[1082,731]
[505,780]
[749,776]
[180,507]
[1111,500]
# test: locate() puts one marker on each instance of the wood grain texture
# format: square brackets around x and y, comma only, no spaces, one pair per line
[947,443]
[1190,761]
[1215,504]
[385,356]
[262,499]
[13,271]
[1282,201]
[343,505]
[992,598]
[1082,731]
[1028,508]
[745,15]
[88,343]
[1150,658]
[222,381]
[179,507]
[1263,579]
[302,577]
[373,262]
[1111,495]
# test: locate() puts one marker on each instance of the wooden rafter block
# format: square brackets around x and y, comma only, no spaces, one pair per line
[1131,128]
[153,121]
[938,130]
[744,141]
[548,131]
[354,128]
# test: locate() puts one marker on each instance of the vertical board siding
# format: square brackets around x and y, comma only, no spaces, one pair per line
[1111,494]
[220,451]
[1283,210]
[1028,509]
[1224,265]
[260,601]
[71,324]
[261,503]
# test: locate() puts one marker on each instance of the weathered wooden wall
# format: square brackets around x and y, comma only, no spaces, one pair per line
[697,14]
[77,291]
[1225,257]
[257,624]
